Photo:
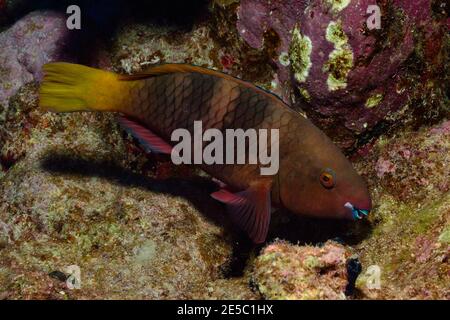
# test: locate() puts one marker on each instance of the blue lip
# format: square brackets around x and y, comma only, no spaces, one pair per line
[358,214]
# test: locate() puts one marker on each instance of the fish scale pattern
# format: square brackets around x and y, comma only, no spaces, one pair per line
[168,102]
[247,111]
[177,100]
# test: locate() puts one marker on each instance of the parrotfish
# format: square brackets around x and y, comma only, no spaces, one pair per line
[314,177]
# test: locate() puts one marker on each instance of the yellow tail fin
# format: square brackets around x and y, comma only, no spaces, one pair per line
[71,87]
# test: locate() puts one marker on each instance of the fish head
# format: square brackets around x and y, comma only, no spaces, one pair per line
[319,181]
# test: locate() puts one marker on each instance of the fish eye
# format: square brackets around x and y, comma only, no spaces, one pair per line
[328,178]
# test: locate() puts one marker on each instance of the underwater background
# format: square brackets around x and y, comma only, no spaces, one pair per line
[76,190]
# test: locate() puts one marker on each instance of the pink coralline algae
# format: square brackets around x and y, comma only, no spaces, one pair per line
[444,129]
[412,165]
[33,41]
[425,249]
[383,167]
[350,79]
[259,17]
[289,272]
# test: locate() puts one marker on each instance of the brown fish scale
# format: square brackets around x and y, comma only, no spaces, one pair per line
[168,102]
[313,177]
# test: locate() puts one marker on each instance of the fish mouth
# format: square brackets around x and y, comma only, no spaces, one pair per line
[357,213]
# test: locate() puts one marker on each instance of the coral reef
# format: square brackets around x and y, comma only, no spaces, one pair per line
[76,190]
[270,23]
[288,272]
[163,45]
[33,41]
[74,198]
[354,82]
[409,177]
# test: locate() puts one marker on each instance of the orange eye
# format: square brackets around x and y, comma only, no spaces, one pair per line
[327,178]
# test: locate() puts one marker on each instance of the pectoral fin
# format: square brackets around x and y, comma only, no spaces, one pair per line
[150,141]
[249,209]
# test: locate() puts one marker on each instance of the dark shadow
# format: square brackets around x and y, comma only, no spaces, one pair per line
[195,189]
[296,229]
[243,247]
[284,225]
[107,14]
[306,230]
[100,20]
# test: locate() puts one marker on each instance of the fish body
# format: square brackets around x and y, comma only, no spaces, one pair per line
[314,177]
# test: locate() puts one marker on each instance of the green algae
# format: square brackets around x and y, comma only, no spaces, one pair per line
[284,59]
[411,208]
[300,55]
[394,243]
[444,237]
[340,60]
[337,5]
[336,35]
[312,262]
[398,216]
[374,100]
[339,65]
[305,94]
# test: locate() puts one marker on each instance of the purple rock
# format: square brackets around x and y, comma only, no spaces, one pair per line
[346,67]
[33,41]
[257,17]
[349,78]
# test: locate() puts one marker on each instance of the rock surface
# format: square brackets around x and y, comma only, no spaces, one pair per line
[27,45]
[411,219]
[77,197]
[287,272]
[352,81]
[76,190]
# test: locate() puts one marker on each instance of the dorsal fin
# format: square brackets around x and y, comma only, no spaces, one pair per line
[187,68]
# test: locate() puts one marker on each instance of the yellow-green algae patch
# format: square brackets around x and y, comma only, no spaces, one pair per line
[300,55]
[374,100]
[284,59]
[444,237]
[336,35]
[305,94]
[338,5]
[312,262]
[340,60]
